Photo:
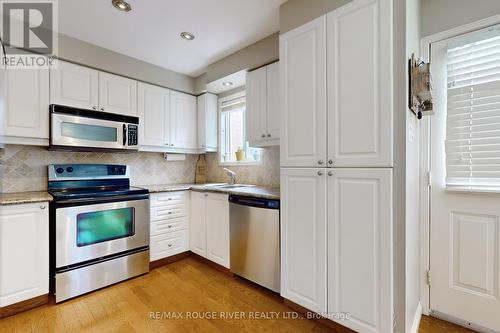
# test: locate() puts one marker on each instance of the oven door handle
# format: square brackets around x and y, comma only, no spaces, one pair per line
[97,200]
[124,135]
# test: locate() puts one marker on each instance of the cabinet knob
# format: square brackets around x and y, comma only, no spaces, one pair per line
[169,245]
[42,206]
[206,194]
[171,145]
[169,213]
[102,109]
[94,107]
[169,199]
[320,162]
[169,226]
[320,173]
[330,162]
[330,173]
[269,135]
[263,135]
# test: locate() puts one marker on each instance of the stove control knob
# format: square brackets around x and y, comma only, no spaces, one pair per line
[69,169]
[59,170]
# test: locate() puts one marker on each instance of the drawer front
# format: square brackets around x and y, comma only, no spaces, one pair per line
[173,225]
[167,213]
[169,198]
[168,244]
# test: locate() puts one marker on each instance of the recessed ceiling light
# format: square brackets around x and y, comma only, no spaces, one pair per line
[187,35]
[227,83]
[122,5]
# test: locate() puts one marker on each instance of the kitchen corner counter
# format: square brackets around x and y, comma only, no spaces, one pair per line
[249,190]
[24,197]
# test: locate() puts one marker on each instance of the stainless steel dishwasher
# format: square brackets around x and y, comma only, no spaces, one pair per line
[255,240]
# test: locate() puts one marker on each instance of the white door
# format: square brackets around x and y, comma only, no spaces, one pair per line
[256,105]
[217,217]
[198,226]
[273,101]
[117,94]
[24,252]
[74,85]
[464,220]
[27,104]
[303,95]
[359,84]
[183,121]
[303,237]
[359,247]
[153,111]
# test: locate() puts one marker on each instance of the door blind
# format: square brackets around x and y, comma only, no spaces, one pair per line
[473,118]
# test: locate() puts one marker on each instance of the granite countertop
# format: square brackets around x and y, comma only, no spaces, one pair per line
[24,197]
[248,190]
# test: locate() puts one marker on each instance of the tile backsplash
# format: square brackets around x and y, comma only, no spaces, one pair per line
[24,168]
[265,174]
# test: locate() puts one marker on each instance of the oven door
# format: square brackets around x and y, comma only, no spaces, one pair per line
[88,232]
[75,131]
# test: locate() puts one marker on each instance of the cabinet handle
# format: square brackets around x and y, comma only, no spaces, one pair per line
[171,145]
[169,213]
[330,173]
[330,162]
[263,135]
[206,194]
[169,245]
[269,135]
[320,173]
[102,109]
[169,199]
[94,107]
[320,162]
[169,226]
[42,207]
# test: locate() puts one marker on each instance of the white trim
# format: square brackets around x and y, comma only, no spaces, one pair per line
[425,157]
[416,319]
[18,140]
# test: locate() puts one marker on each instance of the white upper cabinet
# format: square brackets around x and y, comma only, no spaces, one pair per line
[262,101]
[26,118]
[217,221]
[360,84]
[359,247]
[154,115]
[273,100]
[303,237]
[303,95]
[117,94]
[183,121]
[256,105]
[74,85]
[207,122]
[24,252]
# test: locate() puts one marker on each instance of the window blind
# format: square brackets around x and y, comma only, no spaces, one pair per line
[473,117]
[233,104]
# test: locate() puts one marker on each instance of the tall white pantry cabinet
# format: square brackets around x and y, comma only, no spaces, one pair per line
[336,165]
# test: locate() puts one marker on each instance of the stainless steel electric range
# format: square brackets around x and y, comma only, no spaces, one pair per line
[99,228]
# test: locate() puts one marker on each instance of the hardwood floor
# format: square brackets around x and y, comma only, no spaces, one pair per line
[185,288]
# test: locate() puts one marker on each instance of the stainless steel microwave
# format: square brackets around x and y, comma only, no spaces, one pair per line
[87,130]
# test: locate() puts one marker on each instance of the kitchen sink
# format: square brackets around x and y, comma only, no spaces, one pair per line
[231,185]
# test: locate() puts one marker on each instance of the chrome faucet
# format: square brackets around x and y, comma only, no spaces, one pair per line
[232,176]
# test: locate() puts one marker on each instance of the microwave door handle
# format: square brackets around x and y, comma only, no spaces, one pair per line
[124,134]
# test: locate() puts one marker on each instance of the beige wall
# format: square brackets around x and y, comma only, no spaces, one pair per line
[258,54]
[83,53]
[294,13]
[441,15]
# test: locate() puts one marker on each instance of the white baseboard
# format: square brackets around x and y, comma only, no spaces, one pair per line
[416,319]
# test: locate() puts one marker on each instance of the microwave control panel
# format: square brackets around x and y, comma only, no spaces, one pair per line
[132,135]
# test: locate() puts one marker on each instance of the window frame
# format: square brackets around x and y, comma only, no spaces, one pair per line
[219,132]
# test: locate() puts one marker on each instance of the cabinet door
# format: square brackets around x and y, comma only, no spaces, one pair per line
[74,85]
[359,248]
[24,252]
[273,101]
[359,84]
[117,94]
[197,226]
[256,105]
[217,215]
[202,125]
[27,104]
[303,237]
[183,122]
[211,121]
[153,111]
[303,95]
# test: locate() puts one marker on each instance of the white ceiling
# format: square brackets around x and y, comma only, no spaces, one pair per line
[150,32]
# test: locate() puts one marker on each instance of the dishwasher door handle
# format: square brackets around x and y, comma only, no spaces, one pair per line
[254,202]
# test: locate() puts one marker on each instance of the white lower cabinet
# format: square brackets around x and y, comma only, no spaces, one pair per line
[209,229]
[336,231]
[169,224]
[24,252]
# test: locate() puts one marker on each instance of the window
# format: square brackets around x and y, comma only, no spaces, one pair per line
[234,148]
[473,117]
